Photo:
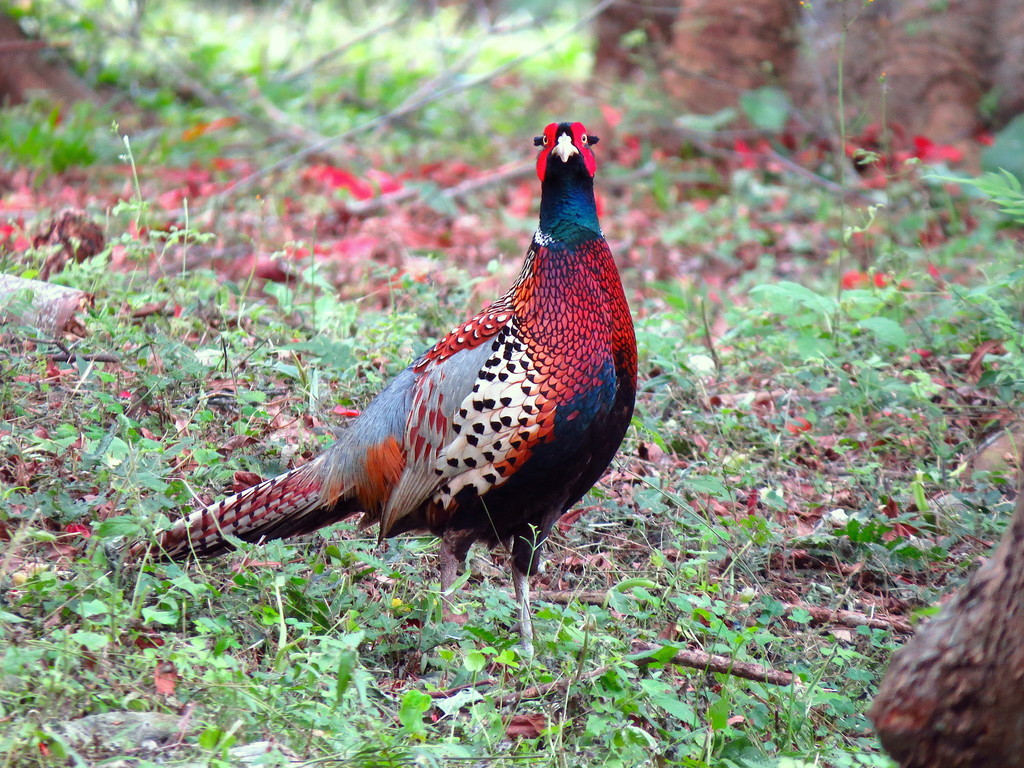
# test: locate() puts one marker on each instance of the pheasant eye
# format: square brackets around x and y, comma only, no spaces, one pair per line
[583,139]
[544,138]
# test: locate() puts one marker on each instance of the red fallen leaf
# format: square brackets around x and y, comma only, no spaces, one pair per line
[44,749]
[880,280]
[376,182]
[388,183]
[165,678]
[752,502]
[528,726]
[242,480]
[924,354]
[935,275]
[202,129]
[611,115]
[983,350]
[78,529]
[798,425]
[150,640]
[900,531]
[150,308]
[341,410]
[930,152]
[853,278]
[270,269]
[566,521]
[890,508]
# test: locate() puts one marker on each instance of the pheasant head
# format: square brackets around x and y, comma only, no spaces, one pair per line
[566,166]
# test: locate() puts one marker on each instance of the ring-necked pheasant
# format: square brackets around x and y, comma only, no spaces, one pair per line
[497,429]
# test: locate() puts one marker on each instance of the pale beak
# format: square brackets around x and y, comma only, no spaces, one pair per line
[565,148]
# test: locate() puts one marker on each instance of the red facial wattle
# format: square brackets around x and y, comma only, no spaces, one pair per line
[581,141]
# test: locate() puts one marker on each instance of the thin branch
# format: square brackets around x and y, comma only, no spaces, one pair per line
[852,618]
[702,140]
[459,688]
[337,52]
[407,107]
[707,662]
[819,614]
[94,357]
[501,175]
[712,662]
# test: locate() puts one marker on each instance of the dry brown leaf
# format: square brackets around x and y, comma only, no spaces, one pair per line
[165,678]
[528,726]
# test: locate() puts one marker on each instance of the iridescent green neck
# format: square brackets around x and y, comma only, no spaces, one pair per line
[568,211]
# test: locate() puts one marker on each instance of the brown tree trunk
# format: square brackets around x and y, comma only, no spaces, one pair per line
[1008,51]
[953,697]
[724,47]
[27,65]
[921,64]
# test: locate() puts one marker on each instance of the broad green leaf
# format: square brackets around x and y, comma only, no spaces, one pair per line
[91,640]
[768,108]
[410,714]
[474,661]
[92,608]
[885,330]
[346,664]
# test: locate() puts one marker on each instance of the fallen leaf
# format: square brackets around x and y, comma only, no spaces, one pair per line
[243,479]
[528,726]
[165,678]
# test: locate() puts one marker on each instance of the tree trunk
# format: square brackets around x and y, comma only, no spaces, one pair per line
[953,696]
[27,65]
[722,48]
[921,64]
[1008,43]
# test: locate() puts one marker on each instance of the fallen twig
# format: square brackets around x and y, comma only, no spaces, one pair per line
[700,140]
[760,397]
[711,662]
[852,618]
[408,107]
[503,174]
[458,688]
[89,357]
[699,660]
[819,614]
[338,52]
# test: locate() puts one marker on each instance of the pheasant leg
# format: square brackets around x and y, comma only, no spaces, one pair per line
[449,570]
[521,582]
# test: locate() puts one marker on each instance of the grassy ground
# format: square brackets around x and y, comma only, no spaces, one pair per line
[814,372]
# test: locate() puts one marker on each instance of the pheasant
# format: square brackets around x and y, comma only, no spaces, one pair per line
[495,431]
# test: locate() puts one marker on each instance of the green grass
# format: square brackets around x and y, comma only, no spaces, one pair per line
[843,488]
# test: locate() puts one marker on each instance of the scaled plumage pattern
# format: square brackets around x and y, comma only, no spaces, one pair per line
[497,429]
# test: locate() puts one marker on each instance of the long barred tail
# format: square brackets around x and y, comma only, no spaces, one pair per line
[287,505]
